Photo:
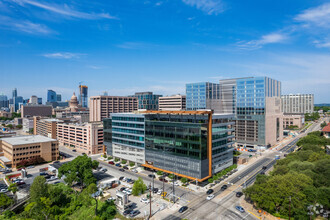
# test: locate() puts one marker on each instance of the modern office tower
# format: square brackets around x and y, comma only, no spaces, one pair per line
[14,93]
[46,127]
[4,103]
[85,138]
[124,136]
[147,100]
[18,101]
[58,97]
[191,144]
[256,103]
[33,100]
[36,110]
[298,104]
[203,95]
[83,96]
[173,103]
[51,96]
[100,107]
[40,101]
[18,148]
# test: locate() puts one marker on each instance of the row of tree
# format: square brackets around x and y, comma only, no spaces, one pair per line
[312,116]
[298,181]
[63,201]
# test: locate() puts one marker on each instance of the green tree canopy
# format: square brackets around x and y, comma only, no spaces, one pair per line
[139,187]
[38,189]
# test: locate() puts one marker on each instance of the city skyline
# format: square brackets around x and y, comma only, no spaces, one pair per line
[120,50]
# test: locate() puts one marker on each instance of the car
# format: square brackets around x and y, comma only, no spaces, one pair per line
[151,176]
[20,183]
[239,194]
[121,178]
[129,191]
[127,211]
[30,167]
[134,171]
[125,167]
[155,190]
[176,184]
[111,162]
[83,153]
[104,170]
[262,173]
[183,208]
[163,179]
[240,208]
[111,199]
[74,150]
[210,191]
[224,187]
[144,200]
[163,194]
[56,161]
[57,182]
[43,174]
[118,165]
[3,190]
[209,197]
[264,167]
[20,168]
[122,189]
[134,213]
[159,192]
[122,170]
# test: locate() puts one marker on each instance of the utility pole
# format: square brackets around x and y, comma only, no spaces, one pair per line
[150,200]
[173,198]
[153,181]
[290,208]
[163,178]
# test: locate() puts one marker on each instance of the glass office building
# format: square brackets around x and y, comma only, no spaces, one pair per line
[83,96]
[183,144]
[255,101]
[147,100]
[204,95]
[124,136]
[51,96]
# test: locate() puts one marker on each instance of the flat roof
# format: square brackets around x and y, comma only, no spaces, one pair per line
[27,139]
[4,159]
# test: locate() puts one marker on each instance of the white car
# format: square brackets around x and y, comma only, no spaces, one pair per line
[176,184]
[3,190]
[209,197]
[128,191]
[111,199]
[159,192]
[144,200]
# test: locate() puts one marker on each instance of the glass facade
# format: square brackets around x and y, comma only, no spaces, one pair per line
[51,96]
[198,94]
[147,100]
[83,96]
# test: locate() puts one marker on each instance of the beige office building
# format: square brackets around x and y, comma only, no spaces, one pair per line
[18,148]
[100,107]
[298,104]
[45,127]
[85,138]
[293,120]
[172,103]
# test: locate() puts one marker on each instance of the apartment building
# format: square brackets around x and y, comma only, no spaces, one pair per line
[46,127]
[256,104]
[85,138]
[18,148]
[204,95]
[100,107]
[172,103]
[124,136]
[298,104]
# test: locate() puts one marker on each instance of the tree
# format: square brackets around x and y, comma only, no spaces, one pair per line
[78,171]
[10,126]
[117,159]
[38,189]
[13,188]
[110,158]
[159,172]
[323,124]
[171,176]
[131,164]
[184,180]
[5,201]
[139,187]
[123,161]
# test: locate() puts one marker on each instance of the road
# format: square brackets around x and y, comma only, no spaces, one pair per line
[223,205]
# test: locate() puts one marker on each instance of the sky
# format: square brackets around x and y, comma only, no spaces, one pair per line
[131,46]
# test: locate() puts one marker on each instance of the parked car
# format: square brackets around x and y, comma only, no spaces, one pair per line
[151,176]
[125,167]
[121,178]
[240,208]
[127,211]
[83,153]
[176,184]
[122,170]
[163,179]
[111,199]
[159,192]
[155,190]
[43,174]
[30,167]
[111,162]
[118,165]
[144,200]
[210,191]
[134,213]
[134,171]
[128,191]
[183,208]
[74,150]
[239,194]
[104,170]
[122,189]
[224,187]
[209,197]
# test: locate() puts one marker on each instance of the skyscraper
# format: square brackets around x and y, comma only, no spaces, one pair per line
[4,101]
[83,96]
[58,97]
[51,96]
[204,95]
[256,103]
[14,93]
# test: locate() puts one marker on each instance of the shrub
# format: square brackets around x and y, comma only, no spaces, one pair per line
[110,158]
[116,159]
[160,172]
[131,164]
[123,161]
[184,180]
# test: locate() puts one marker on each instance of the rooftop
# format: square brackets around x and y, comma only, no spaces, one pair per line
[326,128]
[27,139]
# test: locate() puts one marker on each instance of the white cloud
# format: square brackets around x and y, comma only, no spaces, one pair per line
[96,67]
[24,26]
[65,10]
[319,16]
[63,55]
[208,6]
[265,39]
